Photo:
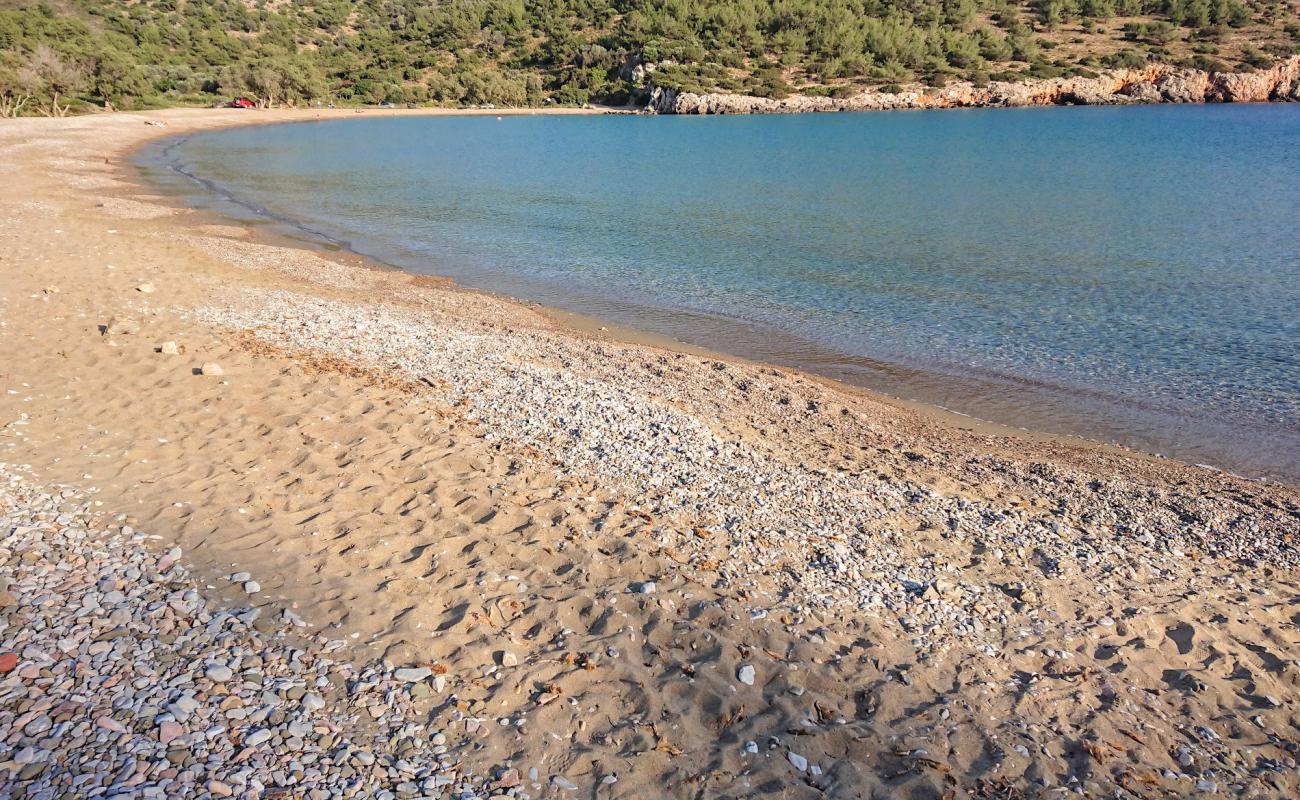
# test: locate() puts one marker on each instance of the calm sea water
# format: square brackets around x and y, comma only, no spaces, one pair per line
[1128,274]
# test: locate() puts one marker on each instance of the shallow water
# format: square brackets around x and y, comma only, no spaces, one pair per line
[1127,274]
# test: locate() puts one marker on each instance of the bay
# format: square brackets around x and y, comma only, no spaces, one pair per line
[1126,274]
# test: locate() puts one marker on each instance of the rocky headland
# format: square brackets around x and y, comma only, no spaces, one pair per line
[1158,83]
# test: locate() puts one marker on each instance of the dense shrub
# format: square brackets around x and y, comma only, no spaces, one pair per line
[1125,59]
[56,57]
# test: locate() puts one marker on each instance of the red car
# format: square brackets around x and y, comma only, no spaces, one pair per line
[241,102]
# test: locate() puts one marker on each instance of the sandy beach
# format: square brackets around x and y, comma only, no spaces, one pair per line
[526,558]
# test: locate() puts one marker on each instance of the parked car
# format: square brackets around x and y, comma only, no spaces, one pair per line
[241,102]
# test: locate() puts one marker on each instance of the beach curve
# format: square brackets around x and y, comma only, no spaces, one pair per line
[680,554]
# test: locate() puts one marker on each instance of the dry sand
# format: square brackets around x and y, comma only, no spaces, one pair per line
[718,579]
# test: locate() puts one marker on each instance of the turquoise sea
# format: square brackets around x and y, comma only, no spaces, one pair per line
[1127,274]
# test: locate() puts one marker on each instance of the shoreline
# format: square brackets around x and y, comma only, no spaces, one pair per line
[624,562]
[946,395]
[271,231]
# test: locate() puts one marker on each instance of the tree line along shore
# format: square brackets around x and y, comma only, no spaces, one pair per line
[57,59]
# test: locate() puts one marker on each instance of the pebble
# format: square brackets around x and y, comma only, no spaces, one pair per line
[218,673]
[746,674]
[169,732]
[255,738]
[121,326]
[211,368]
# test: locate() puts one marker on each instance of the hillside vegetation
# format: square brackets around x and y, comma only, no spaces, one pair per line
[59,56]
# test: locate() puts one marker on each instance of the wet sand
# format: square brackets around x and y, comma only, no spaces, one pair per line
[717,577]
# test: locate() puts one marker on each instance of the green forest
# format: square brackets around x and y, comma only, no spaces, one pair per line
[62,57]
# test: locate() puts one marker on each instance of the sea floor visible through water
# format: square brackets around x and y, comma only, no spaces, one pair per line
[1066,282]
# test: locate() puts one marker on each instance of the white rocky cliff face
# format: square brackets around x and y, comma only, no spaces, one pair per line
[1154,84]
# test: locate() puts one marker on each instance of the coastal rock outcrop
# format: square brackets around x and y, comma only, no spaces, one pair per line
[1158,83]
[1276,83]
[1184,86]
